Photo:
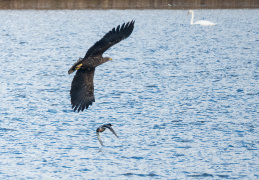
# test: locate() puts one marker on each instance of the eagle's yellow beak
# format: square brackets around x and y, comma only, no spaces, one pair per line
[110,59]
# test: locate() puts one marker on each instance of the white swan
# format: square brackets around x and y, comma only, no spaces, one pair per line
[201,22]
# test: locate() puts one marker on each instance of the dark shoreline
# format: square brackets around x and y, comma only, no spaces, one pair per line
[127,4]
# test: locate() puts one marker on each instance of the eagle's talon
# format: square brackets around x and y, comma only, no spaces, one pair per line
[78,66]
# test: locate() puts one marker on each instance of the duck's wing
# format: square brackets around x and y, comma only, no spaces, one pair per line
[111,38]
[82,89]
[99,138]
[109,127]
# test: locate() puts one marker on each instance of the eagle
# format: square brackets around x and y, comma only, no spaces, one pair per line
[82,87]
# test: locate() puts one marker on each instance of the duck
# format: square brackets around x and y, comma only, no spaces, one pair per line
[102,129]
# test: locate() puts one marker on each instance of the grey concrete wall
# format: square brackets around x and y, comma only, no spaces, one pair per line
[128,4]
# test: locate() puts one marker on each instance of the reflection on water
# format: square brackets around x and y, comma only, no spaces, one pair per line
[127,4]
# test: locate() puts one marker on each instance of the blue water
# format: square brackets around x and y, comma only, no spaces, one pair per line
[184,100]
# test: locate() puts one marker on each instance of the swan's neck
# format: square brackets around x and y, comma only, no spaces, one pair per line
[192,17]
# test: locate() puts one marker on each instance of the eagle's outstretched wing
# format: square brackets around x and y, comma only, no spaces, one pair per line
[111,38]
[82,89]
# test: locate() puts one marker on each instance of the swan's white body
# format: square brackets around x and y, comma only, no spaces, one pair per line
[201,22]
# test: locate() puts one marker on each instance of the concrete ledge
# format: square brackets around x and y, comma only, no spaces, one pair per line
[127,4]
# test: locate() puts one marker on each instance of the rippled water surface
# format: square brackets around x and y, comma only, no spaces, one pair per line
[183,99]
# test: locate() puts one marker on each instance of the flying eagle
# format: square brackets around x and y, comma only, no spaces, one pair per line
[82,87]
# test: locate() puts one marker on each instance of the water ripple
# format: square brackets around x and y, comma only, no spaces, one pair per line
[183,99]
